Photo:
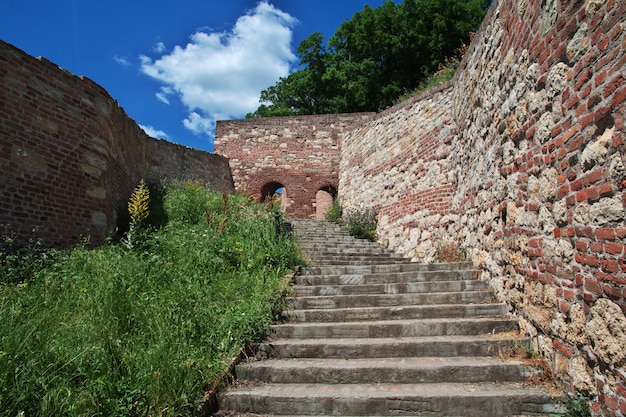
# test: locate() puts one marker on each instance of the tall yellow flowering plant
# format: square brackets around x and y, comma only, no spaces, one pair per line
[139,210]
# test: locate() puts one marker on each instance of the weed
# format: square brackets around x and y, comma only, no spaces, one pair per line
[524,350]
[575,407]
[450,252]
[138,210]
[361,223]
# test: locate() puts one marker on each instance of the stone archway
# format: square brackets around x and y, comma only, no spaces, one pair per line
[324,198]
[277,191]
[300,152]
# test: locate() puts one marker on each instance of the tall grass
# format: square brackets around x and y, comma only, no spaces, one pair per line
[144,332]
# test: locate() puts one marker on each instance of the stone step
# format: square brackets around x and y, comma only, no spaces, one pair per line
[354,262]
[411,287]
[370,333]
[448,399]
[395,328]
[391,347]
[385,371]
[388,300]
[386,277]
[379,269]
[343,245]
[397,312]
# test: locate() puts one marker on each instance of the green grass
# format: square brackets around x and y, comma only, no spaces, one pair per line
[114,331]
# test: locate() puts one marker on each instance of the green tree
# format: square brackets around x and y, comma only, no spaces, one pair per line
[372,59]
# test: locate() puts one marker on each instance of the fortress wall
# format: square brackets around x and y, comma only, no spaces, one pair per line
[302,153]
[70,156]
[521,161]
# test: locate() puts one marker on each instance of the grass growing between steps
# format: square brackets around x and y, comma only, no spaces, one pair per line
[144,331]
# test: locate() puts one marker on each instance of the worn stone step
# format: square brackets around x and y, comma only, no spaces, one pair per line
[380,269]
[385,278]
[394,347]
[387,300]
[348,248]
[398,312]
[395,328]
[469,399]
[385,371]
[402,288]
[357,260]
[363,254]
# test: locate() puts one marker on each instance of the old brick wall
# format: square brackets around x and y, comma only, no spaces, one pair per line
[300,153]
[70,156]
[521,160]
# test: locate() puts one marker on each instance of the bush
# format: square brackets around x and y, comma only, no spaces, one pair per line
[21,259]
[334,214]
[113,332]
[361,223]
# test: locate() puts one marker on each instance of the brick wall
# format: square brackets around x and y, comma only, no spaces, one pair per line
[300,153]
[521,160]
[70,156]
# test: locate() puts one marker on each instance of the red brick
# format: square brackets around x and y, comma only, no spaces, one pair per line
[591,260]
[605,233]
[576,185]
[562,348]
[611,402]
[596,247]
[600,78]
[610,265]
[593,176]
[591,285]
[613,85]
[606,189]
[619,96]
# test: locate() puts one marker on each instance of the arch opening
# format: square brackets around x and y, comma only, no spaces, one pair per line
[324,199]
[275,191]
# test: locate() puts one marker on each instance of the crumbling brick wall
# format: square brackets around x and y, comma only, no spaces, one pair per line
[70,156]
[520,160]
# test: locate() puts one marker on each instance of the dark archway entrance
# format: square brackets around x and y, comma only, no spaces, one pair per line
[275,191]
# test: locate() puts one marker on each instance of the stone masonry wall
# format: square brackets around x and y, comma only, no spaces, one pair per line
[300,153]
[521,161]
[70,156]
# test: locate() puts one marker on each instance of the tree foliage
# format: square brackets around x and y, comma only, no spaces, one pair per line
[378,55]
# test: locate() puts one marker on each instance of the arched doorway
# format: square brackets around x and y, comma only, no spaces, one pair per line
[323,200]
[275,191]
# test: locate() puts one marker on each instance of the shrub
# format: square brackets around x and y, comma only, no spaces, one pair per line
[21,259]
[334,214]
[361,223]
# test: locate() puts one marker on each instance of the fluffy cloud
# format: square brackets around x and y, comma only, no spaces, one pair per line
[220,75]
[153,132]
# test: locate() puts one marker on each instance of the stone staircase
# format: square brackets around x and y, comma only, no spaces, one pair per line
[371,334]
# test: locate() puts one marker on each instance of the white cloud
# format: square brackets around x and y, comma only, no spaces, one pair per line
[220,75]
[153,132]
[122,60]
[198,124]
[159,48]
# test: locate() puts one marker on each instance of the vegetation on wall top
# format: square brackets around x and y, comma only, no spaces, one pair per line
[379,55]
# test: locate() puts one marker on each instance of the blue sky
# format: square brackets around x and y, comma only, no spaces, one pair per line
[175,67]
